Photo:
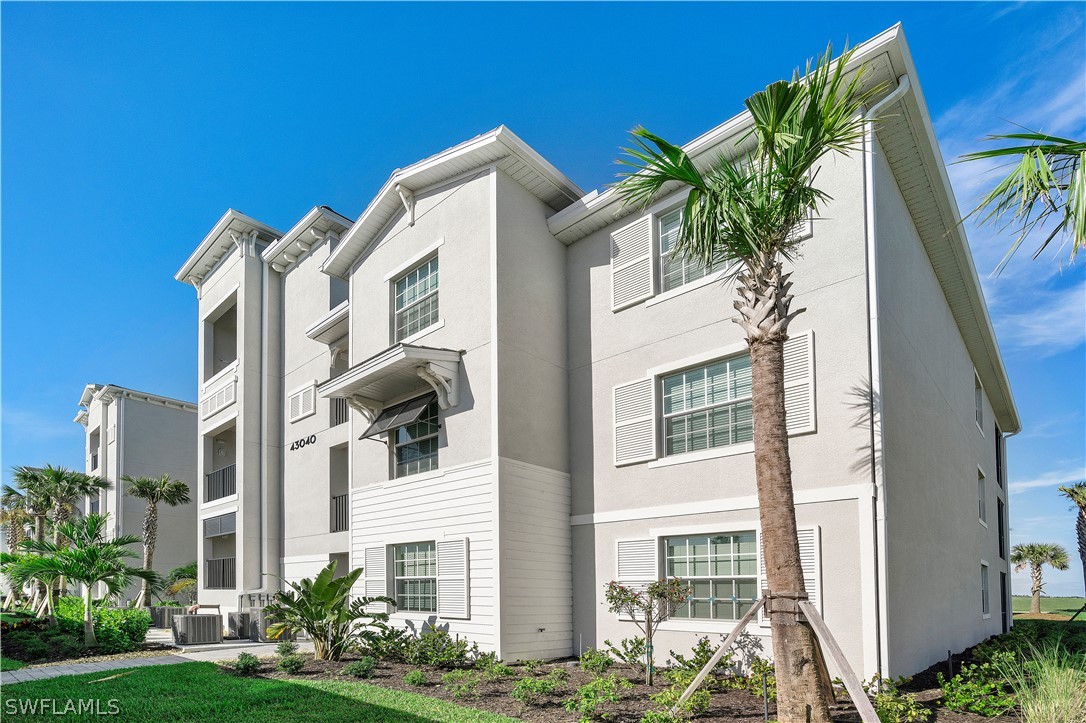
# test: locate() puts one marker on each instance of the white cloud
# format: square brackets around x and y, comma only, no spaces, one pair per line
[1053,479]
[1051,322]
[23,424]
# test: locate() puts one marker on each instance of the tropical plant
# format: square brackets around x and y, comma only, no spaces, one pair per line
[647,607]
[88,557]
[154,491]
[1045,183]
[415,678]
[183,580]
[31,495]
[1049,683]
[65,488]
[361,668]
[1077,494]
[322,607]
[1035,555]
[15,519]
[740,215]
[587,699]
[630,651]
[595,661]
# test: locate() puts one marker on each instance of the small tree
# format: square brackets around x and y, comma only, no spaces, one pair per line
[323,608]
[154,490]
[1077,494]
[182,581]
[647,608]
[1035,555]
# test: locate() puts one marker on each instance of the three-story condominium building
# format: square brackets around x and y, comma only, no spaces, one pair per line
[495,393]
[136,434]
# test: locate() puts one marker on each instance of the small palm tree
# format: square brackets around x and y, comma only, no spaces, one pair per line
[89,558]
[154,490]
[1046,183]
[740,214]
[15,520]
[1035,555]
[32,495]
[182,580]
[1077,494]
[66,487]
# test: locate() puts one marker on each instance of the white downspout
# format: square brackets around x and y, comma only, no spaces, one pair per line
[878,463]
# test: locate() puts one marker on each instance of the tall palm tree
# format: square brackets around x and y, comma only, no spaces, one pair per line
[740,215]
[1045,183]
[154,490]
[15,519]
[66,487]
[1077,494]
[88,557]
[1035,555]
[32,495]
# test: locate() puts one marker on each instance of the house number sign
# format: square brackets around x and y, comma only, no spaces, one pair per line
[299,443]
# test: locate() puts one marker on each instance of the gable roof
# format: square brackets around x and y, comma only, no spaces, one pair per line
[499,146]
[322,220]
[218,243]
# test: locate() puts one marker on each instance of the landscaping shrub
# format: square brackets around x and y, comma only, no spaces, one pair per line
[491,669]
[285,648]
[752,681]
[695,705]
[361,668]
[980,689]
[1049,684]
[246,664]
[438,649]
[533,667]
[389,643]
[559,674]
[415,677]
[630,651]
[893,706]
[587,699]
[118,630]
[14,620]
[292,663]
[701,653]
[596,661]
[461,683]
[30,645]
[530,691]
[660,716]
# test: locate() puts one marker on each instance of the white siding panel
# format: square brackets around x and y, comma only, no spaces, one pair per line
[799,383]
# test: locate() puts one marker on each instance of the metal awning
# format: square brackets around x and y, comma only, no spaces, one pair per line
[399,415]
[399,372]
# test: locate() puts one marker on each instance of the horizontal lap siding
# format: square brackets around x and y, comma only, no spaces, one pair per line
[458,504]
[536,567]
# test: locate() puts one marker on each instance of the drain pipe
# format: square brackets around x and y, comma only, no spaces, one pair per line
[874,357]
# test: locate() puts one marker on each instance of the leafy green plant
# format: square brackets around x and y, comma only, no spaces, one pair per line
[647,607]
[437,649]
[1049,683]
[285,648]
[893,706]
[587,699]
[389,643]
[533,667]
[980,688]
[660,716]
[361,668]
[596,661]
[461,683]
[630,651]
[497,671]
[117,630]
[696,704]
[416,678]
[246,664]
[700,655]
[559,674]
[292,663]
[325,610]
[530,691]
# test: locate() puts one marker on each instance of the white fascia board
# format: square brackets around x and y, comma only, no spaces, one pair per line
[317,213]
[214,239]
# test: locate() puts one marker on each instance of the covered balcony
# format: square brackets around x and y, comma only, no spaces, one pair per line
[220,546]
[221,481]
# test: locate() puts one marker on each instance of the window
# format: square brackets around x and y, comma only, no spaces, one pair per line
[984,608]
[416,443]
[999,451]
[416,300]
[722,571]
[1001,526]
[708,406]
[675,270]
[416,577]
[983,510]
[978,400]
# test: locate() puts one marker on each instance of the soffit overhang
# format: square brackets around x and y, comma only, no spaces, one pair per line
[220,242]
[313,229]
[333,326]
[395,374]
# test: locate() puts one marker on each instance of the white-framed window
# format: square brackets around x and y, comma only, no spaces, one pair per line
[675,270]
[982,506]
[722,571]
[416,299]
[985,608]
[415,444]
[707,406]
[978,400]
[302,402]
[415,567]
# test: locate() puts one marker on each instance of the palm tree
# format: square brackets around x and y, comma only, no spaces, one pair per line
[182,579]
[14,518]
[89,558]
[1046,183]
[740,215]
[154,490]
[65,487]
[32,495]
[1077,494]
[1035,555]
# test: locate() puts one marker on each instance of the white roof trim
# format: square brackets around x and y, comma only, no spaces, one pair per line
[93,392]
[334,222]
[218,243]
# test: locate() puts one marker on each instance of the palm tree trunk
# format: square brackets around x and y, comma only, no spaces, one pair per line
[800,694]
[1035,588]
[1080,530]
[88,617]
[150,535]
[60,514]
[39,536]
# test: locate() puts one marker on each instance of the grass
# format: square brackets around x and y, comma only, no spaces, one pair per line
[200,692]
[1063,606]
[9,664]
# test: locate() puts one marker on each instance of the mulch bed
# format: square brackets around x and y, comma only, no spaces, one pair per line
[147,650]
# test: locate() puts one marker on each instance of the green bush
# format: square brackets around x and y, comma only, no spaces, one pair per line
[292,663]
[695,705]
[980,689]
[630,651]
[416,678]
[533,667]
[361,668]
[703,650]
[596,661]
[893,706]
[461,683]
[530,691]
[660,716]
[752,681]
[246,664]
[285,648]
[559,674]
[438,649]
[390,643]
[118,630]
[587,699]
[33,645]
[1049,683]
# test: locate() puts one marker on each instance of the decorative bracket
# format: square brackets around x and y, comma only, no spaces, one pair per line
[444,379]
[196,285]
[407,198]
[335,351]
[368,408]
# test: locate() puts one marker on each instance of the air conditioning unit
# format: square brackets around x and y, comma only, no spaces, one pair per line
[162,615]
[258,627]
[237,625]
[197,629]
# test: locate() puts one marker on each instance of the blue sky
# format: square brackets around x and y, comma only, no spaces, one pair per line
[128,129]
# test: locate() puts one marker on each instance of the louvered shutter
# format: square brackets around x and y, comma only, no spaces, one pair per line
[295,406]
[635,421]
[631,264]
[799,391]
[302,403]
[810,559]
[636,562]
[308,400]
[453,595]
[374,573]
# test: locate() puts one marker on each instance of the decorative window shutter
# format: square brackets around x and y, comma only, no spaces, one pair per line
[374,574]
[308,400]
[111,433]
[636,562]
[799,388]
[631,264]
[302,403]
[810,559]
[453,595]
[635,421]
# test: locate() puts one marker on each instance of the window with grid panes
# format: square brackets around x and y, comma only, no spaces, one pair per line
[416,443]
[708,407]
[722,571]
[416,299]
[416,577]
[674,269]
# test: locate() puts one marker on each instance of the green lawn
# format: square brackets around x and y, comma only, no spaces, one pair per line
[1057,605]
[9,664]
[201,692]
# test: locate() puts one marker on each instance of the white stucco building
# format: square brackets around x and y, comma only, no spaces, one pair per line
[489,390]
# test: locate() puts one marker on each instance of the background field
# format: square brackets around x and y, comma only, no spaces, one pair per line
[1051,607]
